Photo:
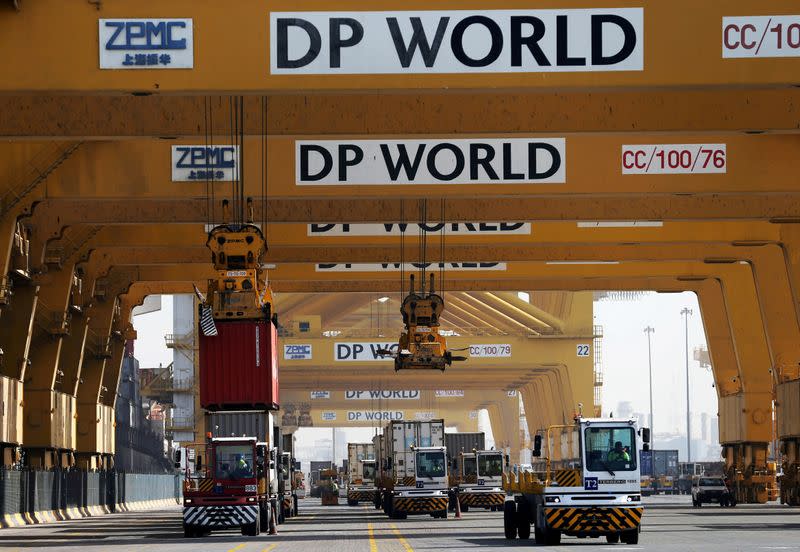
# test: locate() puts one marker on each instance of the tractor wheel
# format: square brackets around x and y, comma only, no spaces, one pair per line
[510,519]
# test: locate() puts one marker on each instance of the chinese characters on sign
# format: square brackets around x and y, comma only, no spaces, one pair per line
[146,44]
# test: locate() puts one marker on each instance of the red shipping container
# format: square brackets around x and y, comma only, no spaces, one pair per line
[239,366]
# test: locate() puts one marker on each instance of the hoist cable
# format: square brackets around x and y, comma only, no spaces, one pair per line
[211,142]
[236,157]
[242,204]
[265,168]
[207,172]
[402,251]
[441,252]
[423,239]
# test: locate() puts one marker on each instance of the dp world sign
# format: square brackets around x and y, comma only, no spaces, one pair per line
[456,41]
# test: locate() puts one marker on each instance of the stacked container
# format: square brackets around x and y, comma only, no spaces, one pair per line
[401,436]
[464,442]
[239,366]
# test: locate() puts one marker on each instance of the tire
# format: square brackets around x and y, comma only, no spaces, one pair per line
[539,536]
[524,521]
[465,508]
[524,531]
[631,536]
[510,519]
[252,529]
[296,509]
[552,538]
[264,513]
[443,514]
[352,502]
[189,532]
[613,538]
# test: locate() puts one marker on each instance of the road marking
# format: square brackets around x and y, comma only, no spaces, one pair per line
[270,547]
[237,547]
[403,541]
[373,547]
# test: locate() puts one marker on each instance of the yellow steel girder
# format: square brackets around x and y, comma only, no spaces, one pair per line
[56,214]
[91,117]
[240,31]
[141,169]
[284,237]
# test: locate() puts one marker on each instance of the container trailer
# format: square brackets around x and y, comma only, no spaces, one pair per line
[413,469]
[476,479]
[230,479]
[287,489]
[361,473]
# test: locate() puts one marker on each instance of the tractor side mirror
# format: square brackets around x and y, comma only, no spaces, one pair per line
[646,438]
[198,463]
[508,460]
[537,446]
[178,458]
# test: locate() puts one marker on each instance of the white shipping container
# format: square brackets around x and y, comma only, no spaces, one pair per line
[379,446]
[402,435]
[356,453]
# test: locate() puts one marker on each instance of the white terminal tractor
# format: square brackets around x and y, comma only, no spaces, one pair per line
[589,487]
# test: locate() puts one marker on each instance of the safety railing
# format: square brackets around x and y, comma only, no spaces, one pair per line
[179,340]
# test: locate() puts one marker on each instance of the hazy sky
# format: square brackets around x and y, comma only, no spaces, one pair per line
[150,348]
[626,374]
[624,355]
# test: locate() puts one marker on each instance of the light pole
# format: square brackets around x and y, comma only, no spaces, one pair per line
[686,313]
[649,330]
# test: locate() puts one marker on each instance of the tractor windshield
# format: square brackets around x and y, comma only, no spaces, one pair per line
[490,465]
[430,464]
[610,449]
[470,466]
[369,470]
[234,462]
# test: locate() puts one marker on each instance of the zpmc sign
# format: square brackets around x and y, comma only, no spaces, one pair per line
[457,41]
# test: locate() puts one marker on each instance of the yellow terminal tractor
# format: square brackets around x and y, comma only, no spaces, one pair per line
[421,346]
[593,493]
[329,488]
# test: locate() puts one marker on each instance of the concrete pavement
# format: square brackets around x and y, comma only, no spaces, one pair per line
[670,524]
